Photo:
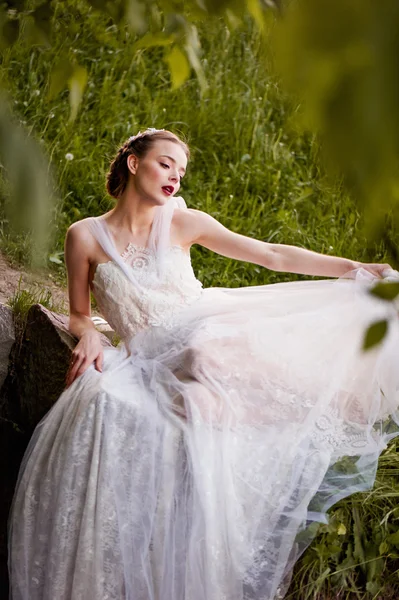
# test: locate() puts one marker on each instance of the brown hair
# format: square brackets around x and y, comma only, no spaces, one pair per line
[139,145]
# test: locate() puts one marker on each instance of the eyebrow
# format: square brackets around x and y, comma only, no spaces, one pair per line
[173,160]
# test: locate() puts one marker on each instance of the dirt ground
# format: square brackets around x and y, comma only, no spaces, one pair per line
[10,278]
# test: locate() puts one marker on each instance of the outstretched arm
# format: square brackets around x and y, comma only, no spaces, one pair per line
[203,229]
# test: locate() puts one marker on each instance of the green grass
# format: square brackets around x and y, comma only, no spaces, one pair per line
[356,556]
[23,299]
[250,170]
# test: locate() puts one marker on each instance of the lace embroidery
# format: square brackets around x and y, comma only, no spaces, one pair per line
[129,311]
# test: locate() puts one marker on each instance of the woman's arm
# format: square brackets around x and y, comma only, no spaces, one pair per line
[89,348]
[203,229]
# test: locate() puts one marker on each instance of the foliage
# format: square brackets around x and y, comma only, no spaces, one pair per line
[340,58]
[249,169]
[21,302]
[23,299]
[356,556]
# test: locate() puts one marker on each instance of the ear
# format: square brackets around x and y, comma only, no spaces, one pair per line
[132,162]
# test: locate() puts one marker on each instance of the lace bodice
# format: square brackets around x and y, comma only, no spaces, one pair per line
[158,302]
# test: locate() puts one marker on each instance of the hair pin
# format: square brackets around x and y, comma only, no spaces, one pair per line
[148,131]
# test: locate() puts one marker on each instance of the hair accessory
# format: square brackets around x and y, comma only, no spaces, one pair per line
[148,131]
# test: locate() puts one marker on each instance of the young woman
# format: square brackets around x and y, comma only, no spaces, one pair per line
[189,463]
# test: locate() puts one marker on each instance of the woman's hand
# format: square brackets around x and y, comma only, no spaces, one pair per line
[88,350]
[376,269]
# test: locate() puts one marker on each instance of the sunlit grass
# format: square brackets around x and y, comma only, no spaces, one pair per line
[249,169]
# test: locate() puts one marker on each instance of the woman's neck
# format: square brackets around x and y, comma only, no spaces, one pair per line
[132,214]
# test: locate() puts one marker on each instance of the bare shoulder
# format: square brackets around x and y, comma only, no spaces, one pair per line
[80,239]
[189,223]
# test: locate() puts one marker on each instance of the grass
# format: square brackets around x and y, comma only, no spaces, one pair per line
[356,556]
[23,299]
[250,170]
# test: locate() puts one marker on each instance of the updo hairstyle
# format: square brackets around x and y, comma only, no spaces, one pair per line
[139,145]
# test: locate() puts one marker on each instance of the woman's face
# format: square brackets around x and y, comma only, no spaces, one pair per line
[157,175]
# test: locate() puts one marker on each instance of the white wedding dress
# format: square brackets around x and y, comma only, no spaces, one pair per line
[192,467]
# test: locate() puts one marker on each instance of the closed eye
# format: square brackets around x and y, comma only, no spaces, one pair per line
[165,165]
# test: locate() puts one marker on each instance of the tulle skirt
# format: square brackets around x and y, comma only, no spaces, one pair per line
[194,465]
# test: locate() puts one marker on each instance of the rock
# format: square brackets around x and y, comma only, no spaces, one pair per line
[42,363]
[7,339]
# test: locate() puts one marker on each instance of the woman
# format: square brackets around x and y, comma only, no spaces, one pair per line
[189,463]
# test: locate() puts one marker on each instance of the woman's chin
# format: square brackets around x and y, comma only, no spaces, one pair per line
[162,199]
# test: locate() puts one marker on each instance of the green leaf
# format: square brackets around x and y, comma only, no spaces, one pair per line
[76,83]
[178,66]
[383,547]
[373,587]
[374,334]
[341,529]
[59,77]
[193,49]
[394,538]
[153,39]
[255,10]
[135,16]
[75,77]
[54,259]
[385,291]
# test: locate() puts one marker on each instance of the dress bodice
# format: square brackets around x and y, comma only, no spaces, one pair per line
[161,297]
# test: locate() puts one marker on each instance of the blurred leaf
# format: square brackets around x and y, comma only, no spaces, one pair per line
[178,66]
[383,547]
[26,186]
[59,77]
[232,20]
[341,529]
[255,10]
[135,16]
[65,73]
[385,291]
[394,538]
[375,334]
[153,39]
[373,587]
[77,83]
[193,50]
[340,60]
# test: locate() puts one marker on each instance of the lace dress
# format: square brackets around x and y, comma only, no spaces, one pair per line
[191,468]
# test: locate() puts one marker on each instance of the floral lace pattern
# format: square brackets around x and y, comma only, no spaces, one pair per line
[159,303]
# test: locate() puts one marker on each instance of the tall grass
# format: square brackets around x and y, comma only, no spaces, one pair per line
[251,171]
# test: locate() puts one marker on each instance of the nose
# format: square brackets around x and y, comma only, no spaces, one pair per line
[174,176]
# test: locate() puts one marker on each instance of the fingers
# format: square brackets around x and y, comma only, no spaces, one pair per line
[76,370]
[377,269]
[98,363]
[76,362]
[79,364]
